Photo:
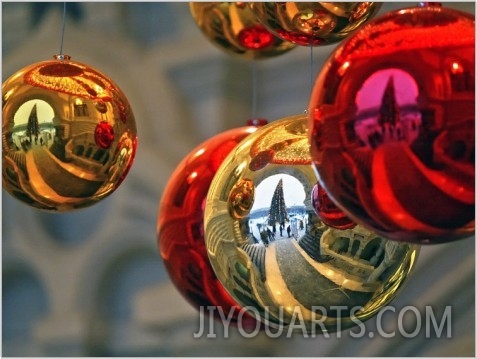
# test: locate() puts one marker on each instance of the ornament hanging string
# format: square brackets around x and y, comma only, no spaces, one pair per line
[63,29]
[311,68]
[254,90]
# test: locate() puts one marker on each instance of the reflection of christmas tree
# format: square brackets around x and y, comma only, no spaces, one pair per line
[33,128]
[278,210]
[389,111]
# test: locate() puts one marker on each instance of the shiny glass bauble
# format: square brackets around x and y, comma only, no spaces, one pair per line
[313,23]
[68,135]
[275,256]
[327,210]
[233,28]
[392,119]
[180,232]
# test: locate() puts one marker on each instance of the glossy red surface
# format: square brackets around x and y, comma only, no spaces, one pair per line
[328,211]
[180,232]
[392,123]
[104,135]
[255,37]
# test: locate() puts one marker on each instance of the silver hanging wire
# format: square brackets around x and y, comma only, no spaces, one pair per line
[311,68]
[254,90]
[311,75]
[63,29]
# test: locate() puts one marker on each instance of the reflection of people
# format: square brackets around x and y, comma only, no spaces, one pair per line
[288,231]
[271,237]
[264,237]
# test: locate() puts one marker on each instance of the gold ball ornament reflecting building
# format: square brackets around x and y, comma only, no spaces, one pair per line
[233,28]
[68,135]
[313,23]
[274,255]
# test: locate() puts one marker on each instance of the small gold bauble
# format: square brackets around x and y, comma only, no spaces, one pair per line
[233,28]
[313,23]
[68,135]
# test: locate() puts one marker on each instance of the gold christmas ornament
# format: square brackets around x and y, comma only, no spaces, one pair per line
[313,23]
[233,28]
[274,255]
[68,135]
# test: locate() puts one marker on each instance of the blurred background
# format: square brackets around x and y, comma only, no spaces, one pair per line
[91,283]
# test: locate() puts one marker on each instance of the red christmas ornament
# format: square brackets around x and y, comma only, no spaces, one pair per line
[180,232]
[392,123]
[104,134]
[327,210]
[255,37]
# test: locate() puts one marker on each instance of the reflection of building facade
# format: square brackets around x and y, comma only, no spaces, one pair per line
[223,250]
[32,133]
[53,136]
[389,123]
[70,137]
[82,147]
[357,252]
[446,99]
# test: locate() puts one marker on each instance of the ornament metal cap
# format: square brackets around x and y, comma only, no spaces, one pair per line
[61,57]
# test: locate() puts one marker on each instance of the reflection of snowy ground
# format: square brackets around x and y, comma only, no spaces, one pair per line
[297,229]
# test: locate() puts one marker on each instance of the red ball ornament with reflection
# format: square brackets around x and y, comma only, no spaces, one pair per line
[392,123]
[104,135]
[327,210]
[180,230]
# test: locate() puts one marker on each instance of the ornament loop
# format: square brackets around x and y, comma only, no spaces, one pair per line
[62,57]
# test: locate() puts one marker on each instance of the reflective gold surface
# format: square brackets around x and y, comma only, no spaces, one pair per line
[303,271]
[233,28]
[313,23]
[68,135]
